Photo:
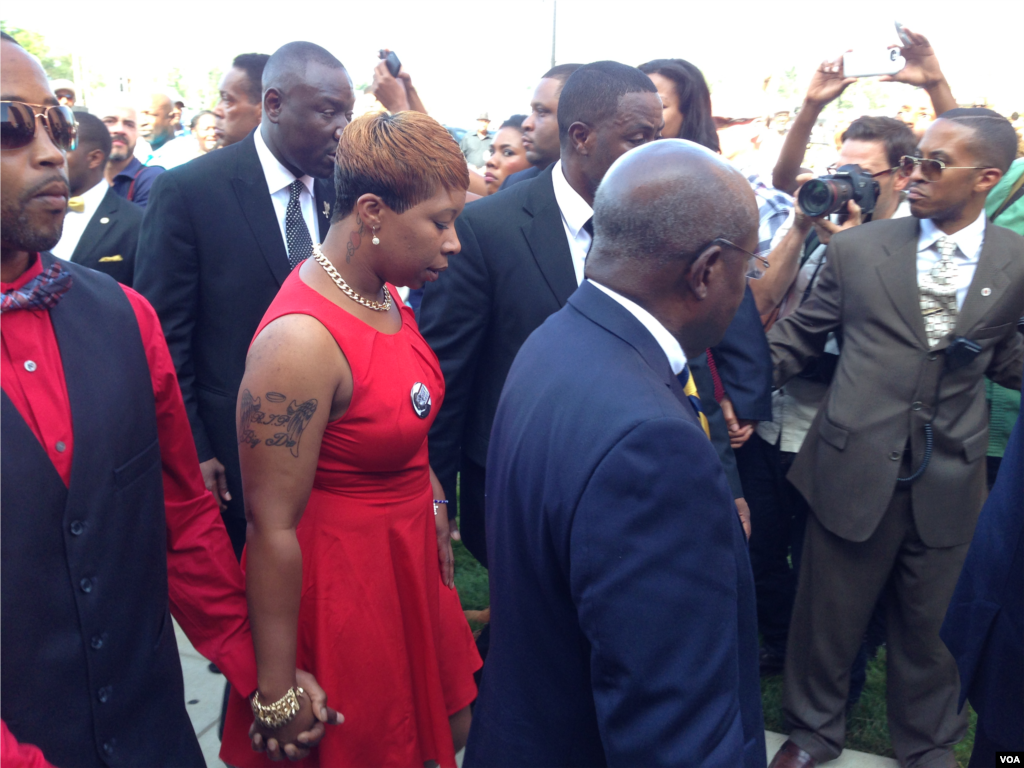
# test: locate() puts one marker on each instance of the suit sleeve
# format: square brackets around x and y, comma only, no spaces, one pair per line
[167,274]
[454,316]
[13,754]
[798,338]
[653,544]
[1005,368]
[745,363]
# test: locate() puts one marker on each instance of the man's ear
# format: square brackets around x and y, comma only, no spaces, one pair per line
[96,158]
[987,179]
[272,103]
[578,135]
[701,271]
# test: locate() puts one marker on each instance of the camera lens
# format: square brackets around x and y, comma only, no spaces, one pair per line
[820,197]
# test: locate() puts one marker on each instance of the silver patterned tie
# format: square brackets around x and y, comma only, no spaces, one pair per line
[938,294]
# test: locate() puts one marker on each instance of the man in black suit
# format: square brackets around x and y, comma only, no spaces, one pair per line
[522,257]
[540,129]
[101,229]
[222,233]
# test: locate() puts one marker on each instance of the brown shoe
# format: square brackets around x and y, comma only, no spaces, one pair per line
[791,756]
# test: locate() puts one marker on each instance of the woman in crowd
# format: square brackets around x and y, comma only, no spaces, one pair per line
[507,154]
[349,566]
[684,92]
[203,128]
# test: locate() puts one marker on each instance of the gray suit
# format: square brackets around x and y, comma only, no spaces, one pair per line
[868,533]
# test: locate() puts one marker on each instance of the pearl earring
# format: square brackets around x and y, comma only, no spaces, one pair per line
[375,240]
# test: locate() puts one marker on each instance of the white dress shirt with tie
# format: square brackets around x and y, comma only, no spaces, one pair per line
[575,213]
[969,241]
[75,222]
[279,179]
[669,344]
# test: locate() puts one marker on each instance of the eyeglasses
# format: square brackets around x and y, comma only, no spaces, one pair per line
[931,169]
[756,265]
[834,169]
[18,125]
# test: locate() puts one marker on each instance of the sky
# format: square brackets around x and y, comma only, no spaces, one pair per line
[470,57]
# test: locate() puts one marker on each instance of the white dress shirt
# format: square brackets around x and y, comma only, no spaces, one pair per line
[75,223]
[279,179]
[969,241]
[669,344]
[575,213]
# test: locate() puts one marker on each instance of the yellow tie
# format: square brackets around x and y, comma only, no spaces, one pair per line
[76,204]
[690,390]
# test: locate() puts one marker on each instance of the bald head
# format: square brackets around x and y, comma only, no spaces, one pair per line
[659,215]
[157,119]
[288,65]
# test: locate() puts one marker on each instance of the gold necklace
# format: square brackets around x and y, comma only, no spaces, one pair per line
[378,306]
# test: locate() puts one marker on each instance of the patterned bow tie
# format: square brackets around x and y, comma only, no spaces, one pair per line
[41,292]
[76,204]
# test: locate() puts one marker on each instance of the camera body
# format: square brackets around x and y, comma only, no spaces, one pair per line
[829,194]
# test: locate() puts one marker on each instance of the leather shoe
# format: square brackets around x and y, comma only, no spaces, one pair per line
[791,756]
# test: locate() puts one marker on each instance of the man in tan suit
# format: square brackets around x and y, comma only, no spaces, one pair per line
[894,464]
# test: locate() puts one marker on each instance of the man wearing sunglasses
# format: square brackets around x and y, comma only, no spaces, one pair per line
[893,466]
[107,526]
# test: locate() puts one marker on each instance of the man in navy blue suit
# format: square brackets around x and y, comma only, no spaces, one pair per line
[984,626]
[623,626]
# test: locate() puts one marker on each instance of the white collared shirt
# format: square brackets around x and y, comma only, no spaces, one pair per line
[75,223]
[669,344]
[279,179]
[969,241]
[575,213]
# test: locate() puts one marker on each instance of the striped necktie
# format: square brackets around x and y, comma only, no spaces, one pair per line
[690,390]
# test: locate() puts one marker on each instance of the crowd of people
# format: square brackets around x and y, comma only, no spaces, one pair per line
[703,418]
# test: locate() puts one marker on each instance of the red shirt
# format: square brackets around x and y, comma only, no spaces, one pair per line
[205,584]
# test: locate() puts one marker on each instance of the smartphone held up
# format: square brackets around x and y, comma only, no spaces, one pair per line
[874,62]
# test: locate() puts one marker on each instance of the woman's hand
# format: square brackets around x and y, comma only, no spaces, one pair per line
[286,739]
[445,555]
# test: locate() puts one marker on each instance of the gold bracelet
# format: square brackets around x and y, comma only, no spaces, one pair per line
[279,713]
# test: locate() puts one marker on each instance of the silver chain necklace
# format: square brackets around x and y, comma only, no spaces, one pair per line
[378,306]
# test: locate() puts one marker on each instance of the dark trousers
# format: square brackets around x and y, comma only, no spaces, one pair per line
[472,481]
[839,585]
[778,514]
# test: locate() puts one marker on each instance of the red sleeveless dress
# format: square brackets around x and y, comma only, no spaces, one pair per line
[384,637]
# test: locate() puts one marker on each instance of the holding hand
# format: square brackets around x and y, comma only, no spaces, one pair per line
[306,729]
[216,481]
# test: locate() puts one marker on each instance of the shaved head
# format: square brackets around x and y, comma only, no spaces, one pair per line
[288,64]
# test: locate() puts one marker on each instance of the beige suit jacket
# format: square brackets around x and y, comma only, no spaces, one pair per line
[889,383]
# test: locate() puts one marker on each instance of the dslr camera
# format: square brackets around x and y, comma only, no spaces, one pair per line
[829,194]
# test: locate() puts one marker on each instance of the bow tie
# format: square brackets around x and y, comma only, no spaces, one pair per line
[76,204]
[41,292]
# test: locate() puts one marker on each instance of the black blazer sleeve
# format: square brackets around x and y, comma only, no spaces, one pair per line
[454,317]
[167,274]
[745,363]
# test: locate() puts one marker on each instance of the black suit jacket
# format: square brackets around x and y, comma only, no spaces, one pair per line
[109,241]
[211,258]
[519,176]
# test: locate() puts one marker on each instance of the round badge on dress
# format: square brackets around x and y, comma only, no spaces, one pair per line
[420,400]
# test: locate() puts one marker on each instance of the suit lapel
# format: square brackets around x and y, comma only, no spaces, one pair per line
[899,277]
[95,232]
[323,202]
[545,235]
[991,274]
[250,187]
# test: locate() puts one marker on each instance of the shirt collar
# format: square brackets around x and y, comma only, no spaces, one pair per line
[278,177]
[92,198]
[669,344]
[129,171]
[574,208]
[969,239]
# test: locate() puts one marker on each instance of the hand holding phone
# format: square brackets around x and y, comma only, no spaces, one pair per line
[394,65]
[872,63]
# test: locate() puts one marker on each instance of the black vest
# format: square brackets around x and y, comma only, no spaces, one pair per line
[90,671]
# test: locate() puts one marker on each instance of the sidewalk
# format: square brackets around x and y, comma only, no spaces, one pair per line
[204,691]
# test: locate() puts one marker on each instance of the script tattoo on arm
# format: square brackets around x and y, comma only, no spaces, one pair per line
[355,239]
[293,421]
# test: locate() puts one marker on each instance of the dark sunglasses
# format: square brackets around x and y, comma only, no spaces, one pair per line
[756,264]
[931,169]
[18,123]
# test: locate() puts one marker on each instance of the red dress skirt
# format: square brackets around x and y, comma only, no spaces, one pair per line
[384,637]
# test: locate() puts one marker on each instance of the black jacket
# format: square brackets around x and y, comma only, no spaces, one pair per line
[211,258]
[109,242]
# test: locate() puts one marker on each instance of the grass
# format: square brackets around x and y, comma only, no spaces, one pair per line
[866,728]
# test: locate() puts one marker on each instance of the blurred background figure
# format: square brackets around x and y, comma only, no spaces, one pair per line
[203,128]
[687,101]
[65,92]
[475,146]
[508,155]
[238,110]
[125,173]
[158,122]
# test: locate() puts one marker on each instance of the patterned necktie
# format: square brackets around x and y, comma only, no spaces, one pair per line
[300,246]
[690,390]
[41,292]
[938,294]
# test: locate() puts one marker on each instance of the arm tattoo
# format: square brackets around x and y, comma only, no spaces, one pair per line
[293,421]
[355,239]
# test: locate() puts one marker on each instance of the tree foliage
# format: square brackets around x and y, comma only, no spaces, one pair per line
[55,64]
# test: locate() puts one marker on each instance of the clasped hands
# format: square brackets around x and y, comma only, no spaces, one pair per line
[294,740]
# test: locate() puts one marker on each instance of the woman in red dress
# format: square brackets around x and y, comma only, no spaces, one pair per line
[349,568]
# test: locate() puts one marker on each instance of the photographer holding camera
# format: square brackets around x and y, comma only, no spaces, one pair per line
[892,466]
